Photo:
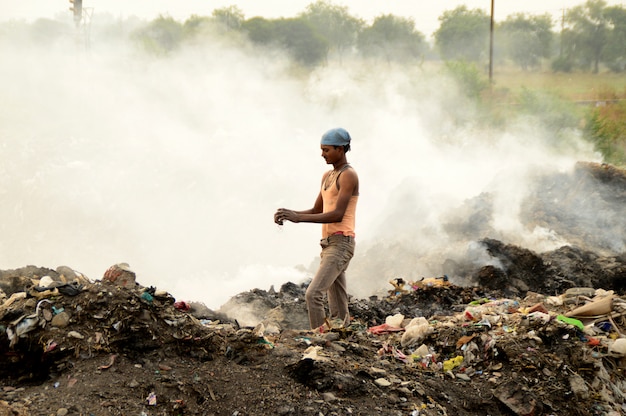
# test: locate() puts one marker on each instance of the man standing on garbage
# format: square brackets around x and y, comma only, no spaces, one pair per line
[335,209]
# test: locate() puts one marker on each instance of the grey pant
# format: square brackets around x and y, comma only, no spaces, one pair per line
[337,251]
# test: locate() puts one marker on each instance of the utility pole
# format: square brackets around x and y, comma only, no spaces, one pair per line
[562,29]
[491,45]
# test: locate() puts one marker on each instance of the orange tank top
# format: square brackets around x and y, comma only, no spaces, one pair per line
[346,226]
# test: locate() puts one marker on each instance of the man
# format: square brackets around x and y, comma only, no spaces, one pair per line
[335,209]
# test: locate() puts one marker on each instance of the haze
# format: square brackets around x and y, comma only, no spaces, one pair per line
[176,165]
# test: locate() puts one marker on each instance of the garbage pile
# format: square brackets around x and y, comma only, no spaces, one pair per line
[70,345]
[60,314]
[481,354]
[539,334]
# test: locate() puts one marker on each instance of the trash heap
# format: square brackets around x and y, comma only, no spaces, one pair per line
[538,355]
[572,345]
[61,314]
[75,346]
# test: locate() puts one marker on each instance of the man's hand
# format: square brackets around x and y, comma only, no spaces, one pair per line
[285,215]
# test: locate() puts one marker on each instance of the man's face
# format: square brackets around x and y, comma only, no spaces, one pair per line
[331,154]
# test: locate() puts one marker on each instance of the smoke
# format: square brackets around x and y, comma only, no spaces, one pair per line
[176,165]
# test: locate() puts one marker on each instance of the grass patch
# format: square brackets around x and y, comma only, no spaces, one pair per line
[571,86]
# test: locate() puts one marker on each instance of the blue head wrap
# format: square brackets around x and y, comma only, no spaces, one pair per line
[336,137]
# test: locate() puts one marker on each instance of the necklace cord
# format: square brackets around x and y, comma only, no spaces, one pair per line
[333,175]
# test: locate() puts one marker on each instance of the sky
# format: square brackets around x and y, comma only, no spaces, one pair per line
[177,165]
[425,13]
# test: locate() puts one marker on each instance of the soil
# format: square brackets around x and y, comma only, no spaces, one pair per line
[70,345]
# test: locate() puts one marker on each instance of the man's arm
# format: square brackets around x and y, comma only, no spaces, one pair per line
[348,182]
[284,214]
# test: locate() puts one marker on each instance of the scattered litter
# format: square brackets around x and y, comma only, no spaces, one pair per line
[112,358]
[416,331]
[152,399]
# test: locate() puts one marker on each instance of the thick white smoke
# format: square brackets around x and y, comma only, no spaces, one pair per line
[176,164]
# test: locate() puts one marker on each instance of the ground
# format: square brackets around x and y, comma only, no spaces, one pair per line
[134,350]
[510,343]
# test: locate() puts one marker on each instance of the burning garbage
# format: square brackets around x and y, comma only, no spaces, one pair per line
[529,334]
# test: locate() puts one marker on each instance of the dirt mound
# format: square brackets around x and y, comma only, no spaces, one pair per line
[82,347]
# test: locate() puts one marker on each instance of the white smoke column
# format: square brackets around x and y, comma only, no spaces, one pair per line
[176,164]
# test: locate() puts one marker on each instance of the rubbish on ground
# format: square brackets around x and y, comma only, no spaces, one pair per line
[442,281]
[395,320]
[601,306]
[151,399]
[416,331]
[453,363]
[516,351]
[384,329]
[571,321]
[618,348]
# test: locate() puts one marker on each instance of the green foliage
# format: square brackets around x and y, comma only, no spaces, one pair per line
[225,26]
[555,114]
[160,36]
[615,49]
[296,35]
[301,40]
[335,24]
[260,30]
[231,17]
[463,34]
[468,77]
[594,36]
[526,39]
[587,35]
[605,127]
[196,25]
[392,38]
[562,64]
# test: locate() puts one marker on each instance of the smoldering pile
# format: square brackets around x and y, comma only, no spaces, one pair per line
[585,207]
[550,273]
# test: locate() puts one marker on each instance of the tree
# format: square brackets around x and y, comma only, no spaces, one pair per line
[335,24]
[615,48]
[162,35]
[296,35]
[586,37]
[196,24]
[231,17]
[260,30]
[393,38]
[526,39]
[304,44]
[463,34]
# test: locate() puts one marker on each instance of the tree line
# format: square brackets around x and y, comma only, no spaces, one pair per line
[587,36]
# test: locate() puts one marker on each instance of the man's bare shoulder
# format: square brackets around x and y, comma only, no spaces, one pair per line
[349,180]
[351,171]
